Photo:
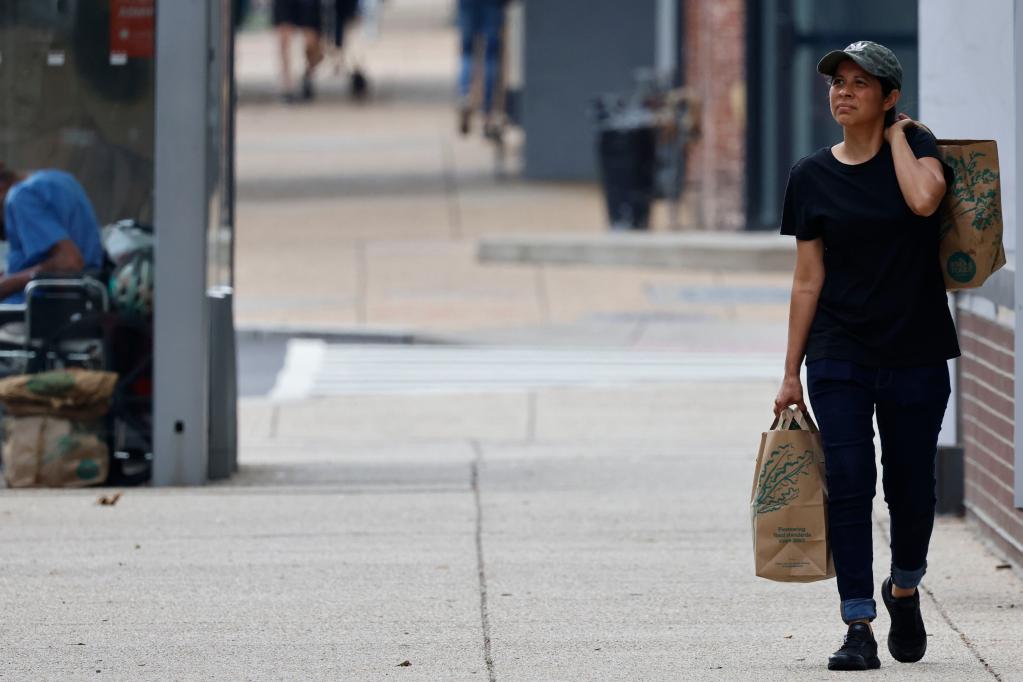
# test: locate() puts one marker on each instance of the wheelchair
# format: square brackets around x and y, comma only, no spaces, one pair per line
[67,321]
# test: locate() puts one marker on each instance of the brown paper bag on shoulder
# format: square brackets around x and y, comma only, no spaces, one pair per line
[970,235]
[788,503]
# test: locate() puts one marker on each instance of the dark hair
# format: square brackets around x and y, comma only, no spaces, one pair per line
[886,89]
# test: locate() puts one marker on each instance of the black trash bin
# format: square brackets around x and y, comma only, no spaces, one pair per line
[627,169]
[627,158]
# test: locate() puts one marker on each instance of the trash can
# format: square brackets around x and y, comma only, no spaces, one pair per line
[627,151]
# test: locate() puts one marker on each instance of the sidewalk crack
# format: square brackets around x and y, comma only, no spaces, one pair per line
[970,646]
[361,282]
[451,190]
[531,417]
[474,471]
[542,295]
[275,419]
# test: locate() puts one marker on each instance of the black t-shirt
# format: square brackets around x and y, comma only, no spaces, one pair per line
[883,302]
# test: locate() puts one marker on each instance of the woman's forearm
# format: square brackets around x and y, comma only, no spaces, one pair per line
[920,187]
[802,308]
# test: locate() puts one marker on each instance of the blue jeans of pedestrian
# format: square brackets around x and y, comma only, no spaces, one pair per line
[484,18]
[910,404]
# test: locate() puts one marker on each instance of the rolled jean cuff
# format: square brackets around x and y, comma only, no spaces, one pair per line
[908,579]
[858,609]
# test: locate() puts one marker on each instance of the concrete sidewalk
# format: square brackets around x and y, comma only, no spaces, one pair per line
[575,534]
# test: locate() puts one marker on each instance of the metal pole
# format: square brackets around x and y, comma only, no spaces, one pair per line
[181,326]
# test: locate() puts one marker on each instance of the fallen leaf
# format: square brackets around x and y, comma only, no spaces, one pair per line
[788,636]
[1002,567]
[405,664]
[108,501]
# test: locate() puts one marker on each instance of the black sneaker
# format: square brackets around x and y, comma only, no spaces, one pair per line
[858,652]
[907,638]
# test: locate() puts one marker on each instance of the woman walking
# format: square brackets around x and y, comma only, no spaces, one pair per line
[870,315]
[301,16]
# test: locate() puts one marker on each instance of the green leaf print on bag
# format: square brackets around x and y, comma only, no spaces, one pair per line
[51,383]
[778,486]
[965,197]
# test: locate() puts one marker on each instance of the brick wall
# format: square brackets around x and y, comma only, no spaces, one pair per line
[715,53]
[986,408]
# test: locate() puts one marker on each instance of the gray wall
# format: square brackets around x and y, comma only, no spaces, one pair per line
[961,96]
[574,51]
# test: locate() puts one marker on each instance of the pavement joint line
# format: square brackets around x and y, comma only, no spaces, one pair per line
[451,189]
[474,469]
[275,418]
[361,281]
[531,417]
[636,335]
[543,296]
[970,646]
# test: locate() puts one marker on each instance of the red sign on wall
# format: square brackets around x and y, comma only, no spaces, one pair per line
[132,24]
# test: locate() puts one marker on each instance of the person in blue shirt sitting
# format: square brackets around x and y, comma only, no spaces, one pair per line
[50,227]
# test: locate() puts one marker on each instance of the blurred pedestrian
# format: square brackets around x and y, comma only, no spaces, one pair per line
[303,17]
[483,20]
[345,50]
[870,314]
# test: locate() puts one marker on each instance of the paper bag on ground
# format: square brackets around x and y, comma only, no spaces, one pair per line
[788,504]
[971,213]
[77,394]
[53,452]
[22,443]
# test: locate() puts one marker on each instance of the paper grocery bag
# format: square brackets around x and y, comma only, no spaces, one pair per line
[22,443]
[72,454]
[76,394]
[53,452]
[970,213]
[788,504]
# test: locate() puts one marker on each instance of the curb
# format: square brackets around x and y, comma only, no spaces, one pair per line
[733,251]
[336,335]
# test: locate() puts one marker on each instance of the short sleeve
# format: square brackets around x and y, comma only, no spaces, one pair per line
[922,143]
[37,225]
[793,215]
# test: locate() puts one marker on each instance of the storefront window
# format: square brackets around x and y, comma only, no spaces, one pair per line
[77,78]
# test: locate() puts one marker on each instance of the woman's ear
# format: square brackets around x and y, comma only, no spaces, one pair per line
[891,100]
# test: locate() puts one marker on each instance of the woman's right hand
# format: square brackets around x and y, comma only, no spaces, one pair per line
[790,393]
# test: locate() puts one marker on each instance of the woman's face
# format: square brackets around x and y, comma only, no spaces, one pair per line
[856,97]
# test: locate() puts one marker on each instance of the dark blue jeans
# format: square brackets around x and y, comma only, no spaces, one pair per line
[484,18]
[910,404]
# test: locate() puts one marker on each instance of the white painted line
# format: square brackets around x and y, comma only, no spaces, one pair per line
[348,369]
[302,363]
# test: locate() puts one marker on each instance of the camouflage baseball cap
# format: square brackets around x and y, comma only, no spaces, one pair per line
[875,59]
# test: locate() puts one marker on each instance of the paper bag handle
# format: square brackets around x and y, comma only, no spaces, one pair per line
[793,414]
